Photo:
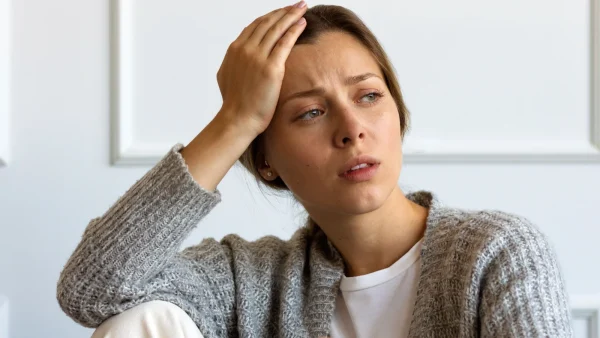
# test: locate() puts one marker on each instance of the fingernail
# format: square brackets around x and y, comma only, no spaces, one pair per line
[302,21]
[300,4]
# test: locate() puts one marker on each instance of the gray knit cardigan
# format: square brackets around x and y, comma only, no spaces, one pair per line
[484,273]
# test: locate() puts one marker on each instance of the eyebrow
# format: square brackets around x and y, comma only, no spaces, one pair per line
[349,81]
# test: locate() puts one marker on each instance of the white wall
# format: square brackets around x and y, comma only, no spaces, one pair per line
[500,94]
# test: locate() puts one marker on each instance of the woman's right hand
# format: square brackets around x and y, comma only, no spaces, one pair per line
[251,74]
[250,79]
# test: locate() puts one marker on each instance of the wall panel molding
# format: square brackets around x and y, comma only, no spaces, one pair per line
[126,150]
[121,91]
[595,76]
[5,60]
[529,152]
[4,318]
[586,309]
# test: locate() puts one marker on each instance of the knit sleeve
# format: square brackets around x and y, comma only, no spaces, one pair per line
[523,293]
[130,255]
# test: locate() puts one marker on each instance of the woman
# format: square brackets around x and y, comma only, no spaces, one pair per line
[371,261]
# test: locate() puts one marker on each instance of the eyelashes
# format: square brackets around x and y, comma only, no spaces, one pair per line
[376,94]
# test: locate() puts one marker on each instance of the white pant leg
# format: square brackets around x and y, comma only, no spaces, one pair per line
[155,319]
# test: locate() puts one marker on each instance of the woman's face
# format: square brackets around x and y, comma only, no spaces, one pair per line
[312,136]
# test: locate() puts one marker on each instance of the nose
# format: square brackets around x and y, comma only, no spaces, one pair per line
[350,129]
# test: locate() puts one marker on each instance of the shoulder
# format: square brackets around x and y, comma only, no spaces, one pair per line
[499,262]
[488,220]
[475,229]
[475,246]
[269,247]
[269,242]
[486,232]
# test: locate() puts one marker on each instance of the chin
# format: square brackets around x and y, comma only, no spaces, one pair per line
[361,202]
[358,199]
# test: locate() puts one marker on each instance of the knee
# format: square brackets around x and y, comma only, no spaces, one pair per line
[149,320]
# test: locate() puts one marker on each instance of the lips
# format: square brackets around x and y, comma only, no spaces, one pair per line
[353,162]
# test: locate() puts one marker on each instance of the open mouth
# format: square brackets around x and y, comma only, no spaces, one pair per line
[360,166]
[360,173]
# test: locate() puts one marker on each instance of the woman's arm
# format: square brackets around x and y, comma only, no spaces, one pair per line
[524,294]
[130,254]
[214,151]
[136,240]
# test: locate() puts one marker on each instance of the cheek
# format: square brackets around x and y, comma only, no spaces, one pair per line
[388,127]
[298,160]
[303,162]
[391,140]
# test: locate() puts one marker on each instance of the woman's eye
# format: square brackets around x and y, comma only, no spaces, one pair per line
[371,97]
[309,115]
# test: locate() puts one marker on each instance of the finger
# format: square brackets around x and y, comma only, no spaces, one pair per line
[266,24]
[249,30]
[280,28]
[284,45]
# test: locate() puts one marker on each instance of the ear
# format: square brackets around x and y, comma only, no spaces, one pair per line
[266,171]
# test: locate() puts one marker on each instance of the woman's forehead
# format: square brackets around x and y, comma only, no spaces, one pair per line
[334,57]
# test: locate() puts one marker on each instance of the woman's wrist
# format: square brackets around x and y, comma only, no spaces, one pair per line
[230,121]
[211,154]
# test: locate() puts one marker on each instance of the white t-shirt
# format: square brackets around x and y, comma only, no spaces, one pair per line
[378,304]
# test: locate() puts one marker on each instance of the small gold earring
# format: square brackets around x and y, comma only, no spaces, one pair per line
[269,174]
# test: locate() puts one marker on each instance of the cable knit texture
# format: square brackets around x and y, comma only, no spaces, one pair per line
[484,273]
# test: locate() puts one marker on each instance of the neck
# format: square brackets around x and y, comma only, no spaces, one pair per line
[373,241]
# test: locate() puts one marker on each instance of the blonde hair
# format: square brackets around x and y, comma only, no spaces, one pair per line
[322,19]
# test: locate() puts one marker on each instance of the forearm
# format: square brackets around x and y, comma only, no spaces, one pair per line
[135,237]
[215,150]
